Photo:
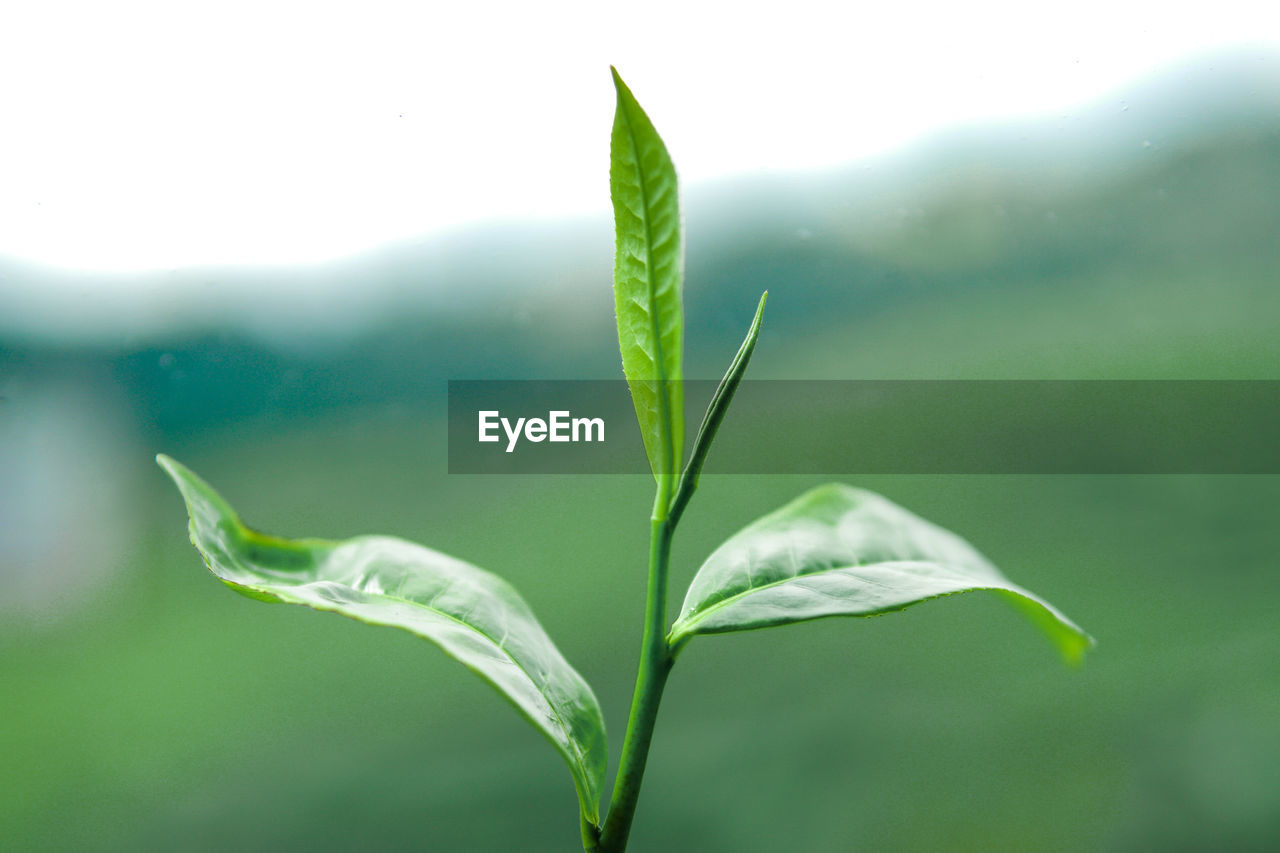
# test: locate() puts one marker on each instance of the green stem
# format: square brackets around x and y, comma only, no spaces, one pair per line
[655,666]
[590,835]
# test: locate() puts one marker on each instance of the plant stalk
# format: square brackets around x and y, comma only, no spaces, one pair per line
[655,666]
[590,835]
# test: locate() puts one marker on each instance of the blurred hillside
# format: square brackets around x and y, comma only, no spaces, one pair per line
[1167,195]
[1089,213]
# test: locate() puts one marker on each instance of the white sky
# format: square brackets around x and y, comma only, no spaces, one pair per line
[138,135]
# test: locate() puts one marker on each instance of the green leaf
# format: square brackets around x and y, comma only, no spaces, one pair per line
[648,273]
[476,617]
[840,551]
[716,410]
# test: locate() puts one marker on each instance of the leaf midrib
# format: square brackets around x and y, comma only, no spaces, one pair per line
[724,602]
[659,360]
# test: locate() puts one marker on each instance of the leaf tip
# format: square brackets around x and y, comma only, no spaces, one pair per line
[175,469]
[1075,649]
[179,473]
[198,495]
[619,86]
[626,100]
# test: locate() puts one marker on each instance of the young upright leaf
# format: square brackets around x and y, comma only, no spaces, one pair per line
[648,272]
[476,617]
[716,410]
[840,551]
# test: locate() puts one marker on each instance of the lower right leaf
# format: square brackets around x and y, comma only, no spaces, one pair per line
[841,551]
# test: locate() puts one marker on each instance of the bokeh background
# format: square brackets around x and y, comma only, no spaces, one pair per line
[1131,235]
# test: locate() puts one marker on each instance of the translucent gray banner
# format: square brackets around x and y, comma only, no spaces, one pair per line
[882,427]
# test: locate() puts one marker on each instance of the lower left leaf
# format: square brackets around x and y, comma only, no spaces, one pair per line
[474,616]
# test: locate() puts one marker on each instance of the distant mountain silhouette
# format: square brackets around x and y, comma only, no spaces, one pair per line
[1181,171]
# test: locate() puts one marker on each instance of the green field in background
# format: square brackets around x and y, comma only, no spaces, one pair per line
[181,716]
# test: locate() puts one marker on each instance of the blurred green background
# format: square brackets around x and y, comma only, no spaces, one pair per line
[144,706]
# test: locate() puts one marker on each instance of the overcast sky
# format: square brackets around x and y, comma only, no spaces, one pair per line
[141,135]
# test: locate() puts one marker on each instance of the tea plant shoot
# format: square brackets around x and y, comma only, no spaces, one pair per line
[833,551]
